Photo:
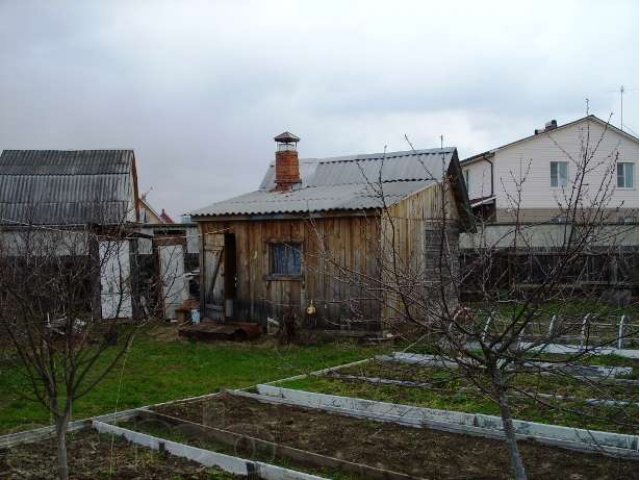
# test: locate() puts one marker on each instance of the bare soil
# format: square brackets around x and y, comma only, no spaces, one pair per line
[94,456]
[423,453]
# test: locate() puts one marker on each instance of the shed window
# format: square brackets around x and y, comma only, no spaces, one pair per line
[286,259]
[559,174]
[625,174]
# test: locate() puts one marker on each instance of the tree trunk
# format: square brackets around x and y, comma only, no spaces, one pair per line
[61,436]
[507,424]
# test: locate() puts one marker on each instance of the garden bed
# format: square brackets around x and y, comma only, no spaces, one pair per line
[550,399]
[422,453]
[94,456]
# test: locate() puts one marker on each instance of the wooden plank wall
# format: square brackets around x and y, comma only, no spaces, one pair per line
[340,264]
[347,259]
[403,249]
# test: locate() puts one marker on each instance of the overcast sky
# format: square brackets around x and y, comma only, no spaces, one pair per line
[199,89]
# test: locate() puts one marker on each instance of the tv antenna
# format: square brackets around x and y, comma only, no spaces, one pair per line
[621,96]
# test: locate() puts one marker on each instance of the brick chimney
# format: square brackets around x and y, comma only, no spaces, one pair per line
[287,167]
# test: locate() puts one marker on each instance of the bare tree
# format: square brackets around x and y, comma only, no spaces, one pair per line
[68,313]
[505,330]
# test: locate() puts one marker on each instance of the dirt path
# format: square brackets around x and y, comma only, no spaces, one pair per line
[420,452]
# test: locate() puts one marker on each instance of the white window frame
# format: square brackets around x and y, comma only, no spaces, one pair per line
[556,180]
[628,175]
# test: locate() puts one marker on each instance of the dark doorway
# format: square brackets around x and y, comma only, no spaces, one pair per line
[230,275]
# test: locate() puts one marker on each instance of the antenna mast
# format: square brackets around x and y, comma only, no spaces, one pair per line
[621,94]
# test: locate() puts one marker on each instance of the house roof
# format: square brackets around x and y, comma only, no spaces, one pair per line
[66,187]
[593,118]
[349,183]
[147,210]
[165,217]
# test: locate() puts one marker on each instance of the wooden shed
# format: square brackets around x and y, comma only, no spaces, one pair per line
[66,197]
[314,238]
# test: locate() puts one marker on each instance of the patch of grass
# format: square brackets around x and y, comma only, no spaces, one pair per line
[161,367]
[458,395]
[573,308]
[584,359]
[556,384]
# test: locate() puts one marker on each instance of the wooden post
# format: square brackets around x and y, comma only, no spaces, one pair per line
[620,342]
[583,331]
[552,324]
[486,327]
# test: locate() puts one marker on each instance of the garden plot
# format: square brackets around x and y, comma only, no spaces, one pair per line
[414,452]
[551,399]
[17,459]
[579,330]
[95,456]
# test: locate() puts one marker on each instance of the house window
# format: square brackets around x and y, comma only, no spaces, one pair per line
[559,174]
[286,259]
[625,174]
[466,178]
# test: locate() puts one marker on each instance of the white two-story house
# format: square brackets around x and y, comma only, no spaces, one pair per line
[535,179]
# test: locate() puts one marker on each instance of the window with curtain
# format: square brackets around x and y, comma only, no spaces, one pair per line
[559,174]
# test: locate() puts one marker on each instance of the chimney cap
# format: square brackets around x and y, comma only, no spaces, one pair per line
[286,137]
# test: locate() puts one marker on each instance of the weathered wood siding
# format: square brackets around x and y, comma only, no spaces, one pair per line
[343,262]
[338,252]
[405,272]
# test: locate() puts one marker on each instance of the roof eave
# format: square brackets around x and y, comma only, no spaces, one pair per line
[475,158]
[255,217]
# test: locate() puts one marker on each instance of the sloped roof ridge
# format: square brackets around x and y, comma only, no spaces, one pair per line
[591,116]
[64,163]
[379,156]
[84,152]
[75,175]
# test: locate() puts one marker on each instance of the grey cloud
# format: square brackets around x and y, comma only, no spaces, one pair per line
[199,88]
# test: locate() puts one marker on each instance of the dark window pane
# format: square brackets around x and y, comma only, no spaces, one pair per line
[620,168]
[286,259]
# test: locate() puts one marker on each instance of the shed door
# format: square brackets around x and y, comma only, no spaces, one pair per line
[115,279]
[174,286]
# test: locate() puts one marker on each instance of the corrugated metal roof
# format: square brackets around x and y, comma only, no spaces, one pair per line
[65,162]
[342,183]
[49,187]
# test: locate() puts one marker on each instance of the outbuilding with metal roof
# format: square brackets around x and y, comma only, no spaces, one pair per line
[311,242]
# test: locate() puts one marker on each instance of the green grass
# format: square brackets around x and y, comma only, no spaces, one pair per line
[161,367]
[573,308]
[453,393]
[560,385]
